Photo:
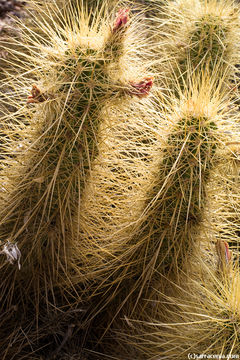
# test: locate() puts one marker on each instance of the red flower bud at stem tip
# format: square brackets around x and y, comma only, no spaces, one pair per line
[121,19]
[36,96]
[142,88]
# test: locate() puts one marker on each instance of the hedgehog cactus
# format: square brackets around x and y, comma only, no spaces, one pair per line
[105,191]
[201,36]
[178,195]
[186,164]
[199,317]
[77,70]
[174,215]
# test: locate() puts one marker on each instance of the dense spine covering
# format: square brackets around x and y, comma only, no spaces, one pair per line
[223,212]
[200,36]
[119,216]
[174,228]
[75,70]
[199,317]
[178,198]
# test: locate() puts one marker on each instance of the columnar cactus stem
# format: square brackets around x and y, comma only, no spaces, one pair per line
[201,36]
[126,260]
[162,264]
[178,195]
[56,147]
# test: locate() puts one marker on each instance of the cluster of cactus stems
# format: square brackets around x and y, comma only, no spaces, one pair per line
[197,311]
[119,204]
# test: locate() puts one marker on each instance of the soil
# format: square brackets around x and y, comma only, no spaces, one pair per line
[11,7]
[9,11]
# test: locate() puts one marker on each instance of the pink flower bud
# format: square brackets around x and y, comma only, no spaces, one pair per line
[121,20]
[141,88]
[36,96]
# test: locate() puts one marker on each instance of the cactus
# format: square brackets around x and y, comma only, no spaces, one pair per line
[110,199]
[160,239]
[223,212]
[174,222]
[78,69]
[199,317]
[200,36]
[178,196]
